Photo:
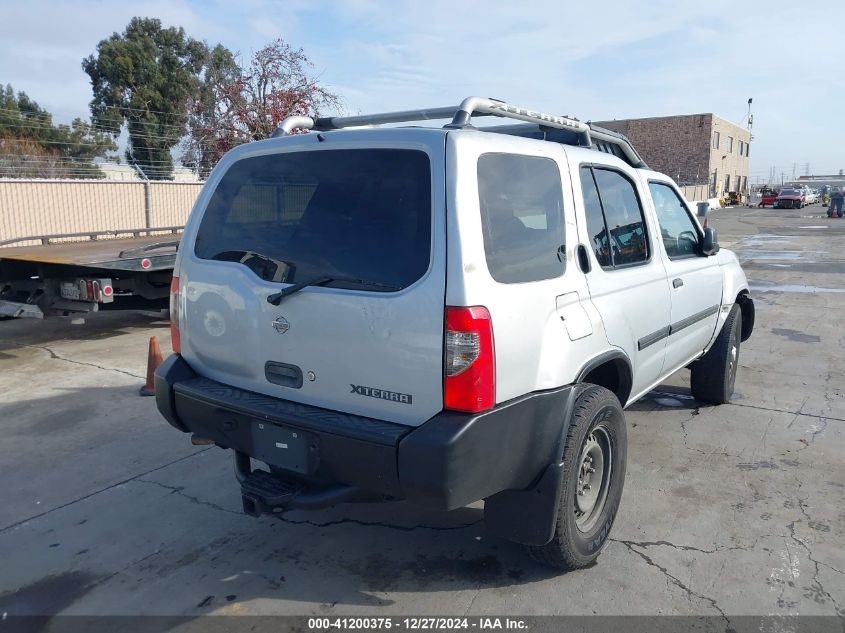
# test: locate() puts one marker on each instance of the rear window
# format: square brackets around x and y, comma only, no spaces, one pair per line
[522,217]
[354,214]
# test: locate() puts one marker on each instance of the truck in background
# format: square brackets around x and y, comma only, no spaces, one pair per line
[126,269]
[71,247]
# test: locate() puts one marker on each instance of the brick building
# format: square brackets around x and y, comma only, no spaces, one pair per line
[691,148]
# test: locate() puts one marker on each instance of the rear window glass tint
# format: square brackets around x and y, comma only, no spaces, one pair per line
[291,217]
[522,217]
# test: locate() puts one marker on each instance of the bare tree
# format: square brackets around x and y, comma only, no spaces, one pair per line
[240,103]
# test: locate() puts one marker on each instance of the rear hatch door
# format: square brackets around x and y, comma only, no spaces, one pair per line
[353,227]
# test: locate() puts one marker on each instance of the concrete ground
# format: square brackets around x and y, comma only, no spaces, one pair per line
[731,510]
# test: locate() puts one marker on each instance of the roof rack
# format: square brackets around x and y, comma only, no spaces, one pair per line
[576,132]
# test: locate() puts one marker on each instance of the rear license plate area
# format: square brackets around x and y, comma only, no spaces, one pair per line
[283,447]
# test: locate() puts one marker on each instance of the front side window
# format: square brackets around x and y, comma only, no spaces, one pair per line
[730,144]
[522,217]
[677,229]
[615,218]
[715,140]
[362,214]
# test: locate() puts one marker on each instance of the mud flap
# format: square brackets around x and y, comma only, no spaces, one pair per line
[526,516]
[529,516]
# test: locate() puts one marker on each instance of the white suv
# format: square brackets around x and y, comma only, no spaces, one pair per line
[444,316]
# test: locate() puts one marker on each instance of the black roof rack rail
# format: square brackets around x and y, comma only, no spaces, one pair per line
[560,129]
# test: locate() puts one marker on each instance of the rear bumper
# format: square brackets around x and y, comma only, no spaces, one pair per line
[451,460]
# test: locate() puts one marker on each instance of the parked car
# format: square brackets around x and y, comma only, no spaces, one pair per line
[811,196]
[790,199]
[767,197]
[444,316]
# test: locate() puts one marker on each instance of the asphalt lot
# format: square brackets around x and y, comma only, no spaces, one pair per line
[731,510]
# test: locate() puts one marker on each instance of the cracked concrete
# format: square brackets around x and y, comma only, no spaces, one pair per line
[727,511]
[56,356]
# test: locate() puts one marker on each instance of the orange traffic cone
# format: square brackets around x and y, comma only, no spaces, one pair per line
[154,359]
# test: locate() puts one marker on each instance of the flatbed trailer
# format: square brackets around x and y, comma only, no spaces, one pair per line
[76,273]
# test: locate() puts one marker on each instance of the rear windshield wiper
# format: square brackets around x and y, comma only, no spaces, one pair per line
[276,297]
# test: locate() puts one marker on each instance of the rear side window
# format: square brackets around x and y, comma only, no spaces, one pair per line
[618,234]
[362,214]
[521,217]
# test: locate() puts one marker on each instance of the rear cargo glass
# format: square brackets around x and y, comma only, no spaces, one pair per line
[294,217]
[522,217]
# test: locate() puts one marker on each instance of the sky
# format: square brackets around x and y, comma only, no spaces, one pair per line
[596,61]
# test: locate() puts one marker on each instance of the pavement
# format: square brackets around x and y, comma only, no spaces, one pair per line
[727,511]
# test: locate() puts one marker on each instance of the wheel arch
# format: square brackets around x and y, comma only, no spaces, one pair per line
[611,370]
[746,305]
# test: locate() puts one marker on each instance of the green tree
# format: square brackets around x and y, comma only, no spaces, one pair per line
[143,78]
[31,146]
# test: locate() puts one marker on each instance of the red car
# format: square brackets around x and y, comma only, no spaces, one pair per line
[768,197]
[790,199]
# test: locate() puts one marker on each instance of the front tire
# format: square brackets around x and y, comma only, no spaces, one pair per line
[713,376]
[594,458]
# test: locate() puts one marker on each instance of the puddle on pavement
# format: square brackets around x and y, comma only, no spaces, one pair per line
[764,239]
[793,288]
[773,255]
[796,335]
[668,402]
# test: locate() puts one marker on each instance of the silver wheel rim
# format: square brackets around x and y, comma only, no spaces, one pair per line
[593,478]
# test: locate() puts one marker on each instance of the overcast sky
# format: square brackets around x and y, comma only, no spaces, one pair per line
[598,60]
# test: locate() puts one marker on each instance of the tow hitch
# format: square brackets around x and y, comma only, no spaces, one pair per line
[264,492]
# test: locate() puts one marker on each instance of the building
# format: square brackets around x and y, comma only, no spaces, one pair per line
[819,181]
[694,149]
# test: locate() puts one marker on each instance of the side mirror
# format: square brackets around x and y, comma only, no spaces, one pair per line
[709,244]
[703,210]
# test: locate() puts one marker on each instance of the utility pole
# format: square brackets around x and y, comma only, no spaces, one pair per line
[749,118]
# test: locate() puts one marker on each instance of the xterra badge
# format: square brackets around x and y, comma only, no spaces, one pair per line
[372,392]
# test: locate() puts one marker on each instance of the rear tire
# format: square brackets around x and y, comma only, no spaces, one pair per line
[594,457]
[714,375]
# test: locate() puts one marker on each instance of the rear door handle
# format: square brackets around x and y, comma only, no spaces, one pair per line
[584,259]
[677,283]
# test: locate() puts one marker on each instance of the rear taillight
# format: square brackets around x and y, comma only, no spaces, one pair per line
[469,382]
[175,341]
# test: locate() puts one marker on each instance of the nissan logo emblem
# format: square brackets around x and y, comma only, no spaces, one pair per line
[280,324]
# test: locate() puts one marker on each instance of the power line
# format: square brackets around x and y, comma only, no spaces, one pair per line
[202,143]
[122,108]
[184,135]
[89,126]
